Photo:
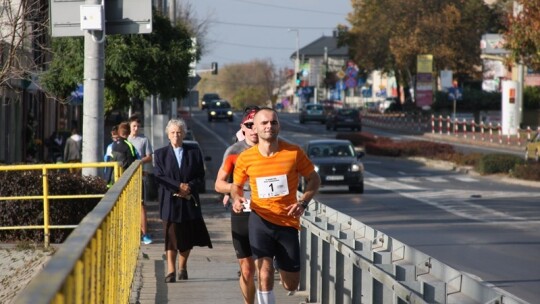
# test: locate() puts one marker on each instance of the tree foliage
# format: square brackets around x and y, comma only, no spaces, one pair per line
[23,40]
[243,84]
[389,34]
[136,66]
[523,35]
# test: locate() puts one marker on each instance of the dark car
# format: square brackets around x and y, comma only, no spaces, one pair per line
[207,99]
[337,162]
[344,118]
[220,109]
[312,112]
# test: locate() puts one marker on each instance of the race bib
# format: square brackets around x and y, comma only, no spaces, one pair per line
[272,186]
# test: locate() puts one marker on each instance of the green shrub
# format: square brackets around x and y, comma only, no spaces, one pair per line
[362,138]
[527,171]
[383,148]
[497,163]
[424,148]
[470,159]
[30,212]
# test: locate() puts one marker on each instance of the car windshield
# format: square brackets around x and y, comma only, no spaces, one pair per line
[220,105]
[347,112]
[330,150]
[314,107]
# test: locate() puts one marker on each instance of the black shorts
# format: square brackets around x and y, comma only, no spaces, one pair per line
[240,234]
[274,241]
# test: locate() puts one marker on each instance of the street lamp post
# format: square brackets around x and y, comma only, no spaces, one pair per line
[296,68]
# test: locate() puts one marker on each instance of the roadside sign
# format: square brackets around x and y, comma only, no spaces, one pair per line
[121,17]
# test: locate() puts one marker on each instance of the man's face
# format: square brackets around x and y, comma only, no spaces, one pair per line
[266,124]
[134,127]
[249,131]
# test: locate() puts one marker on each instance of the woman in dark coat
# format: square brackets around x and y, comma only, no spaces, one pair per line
[179,172]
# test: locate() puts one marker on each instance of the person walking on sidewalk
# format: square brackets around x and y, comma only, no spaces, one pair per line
[144,148]
[273,168]
[239,221]
[179,171]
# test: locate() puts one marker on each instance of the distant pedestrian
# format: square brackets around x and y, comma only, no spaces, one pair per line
[144,148]
[73,149]
[55,144]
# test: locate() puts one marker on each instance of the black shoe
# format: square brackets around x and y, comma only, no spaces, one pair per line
[182,275]
[170,278]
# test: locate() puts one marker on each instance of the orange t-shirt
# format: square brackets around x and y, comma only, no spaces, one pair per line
[273,180]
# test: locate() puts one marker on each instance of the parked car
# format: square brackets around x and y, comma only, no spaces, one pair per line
[202,189]
[532,151]
[390,104]
[207,98]
[337,162]
[312,112]
[344,118]
[220,109]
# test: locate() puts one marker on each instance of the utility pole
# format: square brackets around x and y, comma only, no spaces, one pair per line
[93,112]
[296,69]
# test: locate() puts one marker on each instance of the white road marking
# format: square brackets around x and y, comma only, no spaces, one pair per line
[458,202]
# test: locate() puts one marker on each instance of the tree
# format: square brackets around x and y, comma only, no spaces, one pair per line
[136,66]
[523,34]
[23,40]
[250,83]
[389,34]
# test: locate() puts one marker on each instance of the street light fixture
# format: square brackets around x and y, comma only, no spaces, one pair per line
[296,67]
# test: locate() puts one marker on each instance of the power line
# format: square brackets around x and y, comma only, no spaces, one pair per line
[292,8]
[274,26]
[252,46]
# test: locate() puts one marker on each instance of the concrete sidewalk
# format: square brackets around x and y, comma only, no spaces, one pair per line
[213,273]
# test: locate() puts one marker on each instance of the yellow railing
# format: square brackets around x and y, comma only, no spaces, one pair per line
[46,197]
[97,262]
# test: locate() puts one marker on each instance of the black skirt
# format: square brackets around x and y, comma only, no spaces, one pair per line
[186,235]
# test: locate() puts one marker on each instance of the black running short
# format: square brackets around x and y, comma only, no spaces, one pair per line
[240,235]
[274,241]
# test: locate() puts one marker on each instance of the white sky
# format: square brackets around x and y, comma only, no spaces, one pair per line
[244,30]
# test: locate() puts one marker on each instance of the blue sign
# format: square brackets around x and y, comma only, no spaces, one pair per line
[455,94]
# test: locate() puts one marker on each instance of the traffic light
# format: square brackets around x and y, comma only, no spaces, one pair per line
[298,78]
[214,68]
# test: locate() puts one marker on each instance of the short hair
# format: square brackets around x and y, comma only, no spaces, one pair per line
[123,129]
[134,118]
[114,131]
[178,122]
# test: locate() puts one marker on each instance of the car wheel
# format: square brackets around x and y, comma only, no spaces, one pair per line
[358,188]
[323,122]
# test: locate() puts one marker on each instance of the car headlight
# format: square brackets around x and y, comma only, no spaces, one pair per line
[229,113]
[203,103]
[316,168]
[356,167]
[213,113]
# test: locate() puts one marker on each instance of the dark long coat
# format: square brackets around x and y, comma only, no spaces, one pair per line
[169,176]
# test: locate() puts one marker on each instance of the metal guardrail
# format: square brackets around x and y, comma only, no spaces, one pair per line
[46,197]
[97,262]
[346,261]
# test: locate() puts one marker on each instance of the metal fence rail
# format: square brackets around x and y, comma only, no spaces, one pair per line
[346,261]
[46,197]
[97,262]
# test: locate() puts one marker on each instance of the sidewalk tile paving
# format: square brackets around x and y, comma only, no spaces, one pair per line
[213,273]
